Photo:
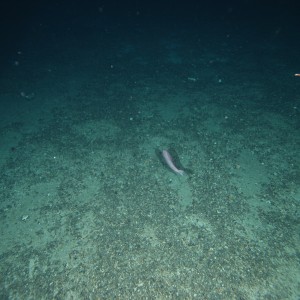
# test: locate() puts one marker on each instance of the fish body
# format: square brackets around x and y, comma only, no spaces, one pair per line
[168,159]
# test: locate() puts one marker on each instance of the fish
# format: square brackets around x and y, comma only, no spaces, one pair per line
[168,159]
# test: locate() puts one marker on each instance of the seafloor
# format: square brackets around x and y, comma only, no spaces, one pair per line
[89,211]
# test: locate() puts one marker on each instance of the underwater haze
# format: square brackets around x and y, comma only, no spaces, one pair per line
[150,150]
